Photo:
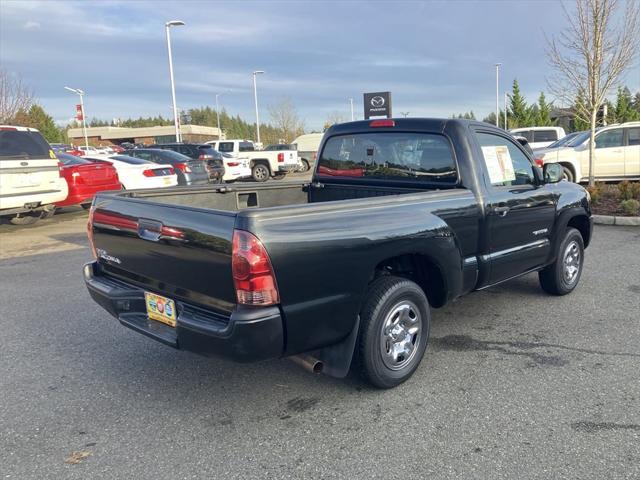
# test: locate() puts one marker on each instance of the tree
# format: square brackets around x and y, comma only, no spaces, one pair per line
[543,114]
[333,118]
[15,96]
[518,109]
[623,110]
[591,54]
[36,117]
[285,119]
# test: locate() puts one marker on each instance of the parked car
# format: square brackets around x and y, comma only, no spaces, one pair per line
[117,149]
[214,163]
[539,137]
[74,151]
[442,208]
[30,181]
[135,173]
[89,150]
[235,168]
[263,164]
[85,178]
[59,147]
[307,147]
[303,164]
[188,170]
[617,154]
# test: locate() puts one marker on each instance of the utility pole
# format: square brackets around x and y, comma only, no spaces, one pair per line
[80,93]
[505,111]
[176,120]
[351,103]
[255,98]
[218,115]
[498,94]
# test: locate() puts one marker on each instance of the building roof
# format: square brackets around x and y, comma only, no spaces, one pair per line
[115,133]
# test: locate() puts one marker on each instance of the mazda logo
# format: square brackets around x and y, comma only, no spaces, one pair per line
[377,101]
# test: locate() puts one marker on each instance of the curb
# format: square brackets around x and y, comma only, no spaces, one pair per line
[612,220]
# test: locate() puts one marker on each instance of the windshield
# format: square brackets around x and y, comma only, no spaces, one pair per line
[23,145]
[563,141]
[578,140]
[390,155]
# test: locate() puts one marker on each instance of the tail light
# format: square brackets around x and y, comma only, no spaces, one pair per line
[202,156]
[280,157]
[382,123]
[315,156]
[539,162]
[183,167]
[149,173]
[233,164]
[60,166]
[253,275]
[90,232]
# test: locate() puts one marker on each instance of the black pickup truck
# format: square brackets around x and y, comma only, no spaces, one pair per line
[401,216]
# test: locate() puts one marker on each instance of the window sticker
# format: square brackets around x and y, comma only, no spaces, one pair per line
[499,164]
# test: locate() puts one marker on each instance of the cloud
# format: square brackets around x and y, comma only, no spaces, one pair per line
[31,25]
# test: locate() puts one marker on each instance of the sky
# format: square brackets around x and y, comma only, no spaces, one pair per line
[436,57]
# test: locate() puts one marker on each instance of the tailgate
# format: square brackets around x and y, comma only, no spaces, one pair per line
[97,174]
[179,252]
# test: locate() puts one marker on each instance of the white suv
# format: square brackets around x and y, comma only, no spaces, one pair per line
[30,179]
[617,154]
[539,137]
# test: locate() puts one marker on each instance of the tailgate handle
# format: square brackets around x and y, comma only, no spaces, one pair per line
[149,229]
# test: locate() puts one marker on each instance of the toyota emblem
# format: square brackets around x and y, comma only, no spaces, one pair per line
[377,101]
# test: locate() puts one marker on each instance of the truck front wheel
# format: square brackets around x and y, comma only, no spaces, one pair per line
[563,275]
[394,330]
[260,172]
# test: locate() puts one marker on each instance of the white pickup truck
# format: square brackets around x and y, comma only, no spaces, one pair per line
[263,164]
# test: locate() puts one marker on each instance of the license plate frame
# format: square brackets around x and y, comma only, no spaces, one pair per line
[157,307]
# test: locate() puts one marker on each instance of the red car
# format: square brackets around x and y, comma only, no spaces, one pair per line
[86,178]
[116,148]
[75,152]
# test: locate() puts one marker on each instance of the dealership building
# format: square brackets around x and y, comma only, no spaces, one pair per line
[103,136]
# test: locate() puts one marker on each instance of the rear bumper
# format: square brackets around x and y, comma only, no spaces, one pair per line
[85,194]
[288,168]
[248,335]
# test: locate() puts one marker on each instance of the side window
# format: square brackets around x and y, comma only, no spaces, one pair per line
[634,136]
[183,149]
[609,139]
[143,155]
[528,134]
[545,135]
[158,159]
[506,164]
[226,147]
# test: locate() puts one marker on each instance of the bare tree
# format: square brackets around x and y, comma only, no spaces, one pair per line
[285,119]
[333,118]
[590,56]
[15,96]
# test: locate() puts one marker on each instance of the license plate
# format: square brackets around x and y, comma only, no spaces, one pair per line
[28,180]
[160,308]
[167,181]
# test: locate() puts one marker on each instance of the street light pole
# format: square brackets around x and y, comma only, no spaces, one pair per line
[176,120]
[351,102]
[498,94]
[255,98]
[218,114]
[506,127]
[80,93]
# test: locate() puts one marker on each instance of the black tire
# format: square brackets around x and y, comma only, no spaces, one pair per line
[558,278]
[568,174]
[279,176]
[374,348]
[28,218]
[260,172]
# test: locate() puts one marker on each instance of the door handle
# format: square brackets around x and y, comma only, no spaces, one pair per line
[501,211]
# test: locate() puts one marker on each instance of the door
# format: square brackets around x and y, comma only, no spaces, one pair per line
[609,160]
[520,210]
[632,153]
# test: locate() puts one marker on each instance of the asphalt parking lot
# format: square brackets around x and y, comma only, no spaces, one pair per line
[514,384]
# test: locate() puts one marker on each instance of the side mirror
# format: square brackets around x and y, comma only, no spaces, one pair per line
[553,172]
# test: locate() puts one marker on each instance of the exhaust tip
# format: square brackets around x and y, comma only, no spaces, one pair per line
[309,363]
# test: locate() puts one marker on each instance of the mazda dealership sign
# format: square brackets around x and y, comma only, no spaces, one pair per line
[377,104]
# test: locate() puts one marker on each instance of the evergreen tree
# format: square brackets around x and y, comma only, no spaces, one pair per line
[579,122]
[518,109]
[543,117]
[36,117]
[624,107]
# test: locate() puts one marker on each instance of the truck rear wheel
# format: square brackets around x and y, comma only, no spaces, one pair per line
[563,275]
[260,172]
[568,174]
[394,330]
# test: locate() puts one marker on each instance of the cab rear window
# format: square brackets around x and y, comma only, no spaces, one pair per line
[421,157]
[17,144]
